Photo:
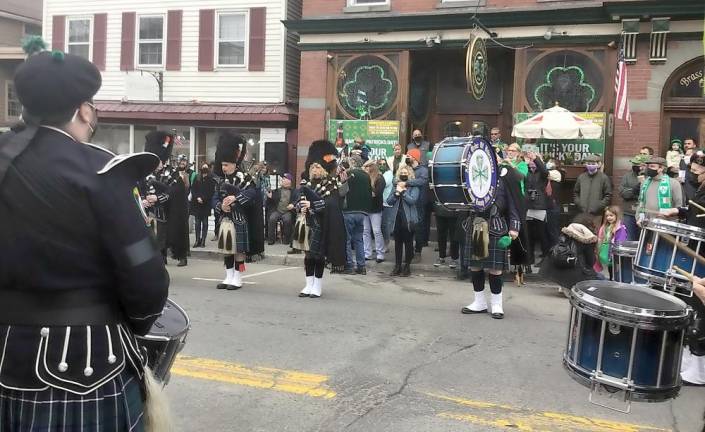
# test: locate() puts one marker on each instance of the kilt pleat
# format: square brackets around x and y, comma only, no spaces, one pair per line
[117,406]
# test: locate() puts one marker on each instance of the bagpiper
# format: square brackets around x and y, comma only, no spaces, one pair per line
[235,192]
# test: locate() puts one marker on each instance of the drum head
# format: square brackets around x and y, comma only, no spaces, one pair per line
[172,323]
[481,173]
[628,300]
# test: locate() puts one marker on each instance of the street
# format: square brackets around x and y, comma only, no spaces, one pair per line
[376,354]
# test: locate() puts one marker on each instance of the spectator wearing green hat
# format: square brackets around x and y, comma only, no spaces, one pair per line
[629,191]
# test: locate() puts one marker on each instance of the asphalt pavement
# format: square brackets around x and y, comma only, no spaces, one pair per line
[382,354]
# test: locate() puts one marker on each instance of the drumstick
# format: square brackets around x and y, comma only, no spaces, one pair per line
[685,249]
[696,205]
[682,272]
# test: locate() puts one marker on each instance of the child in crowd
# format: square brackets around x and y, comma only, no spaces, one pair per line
[612,232]
[674,155]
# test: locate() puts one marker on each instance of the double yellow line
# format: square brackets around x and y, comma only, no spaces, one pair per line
[481,413]
[260,377]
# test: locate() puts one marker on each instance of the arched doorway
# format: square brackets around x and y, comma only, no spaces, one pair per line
[683,104]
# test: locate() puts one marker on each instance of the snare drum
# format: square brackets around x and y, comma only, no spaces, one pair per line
[165,340]
[622,261]
[463,173]
[626,337]
[656,255]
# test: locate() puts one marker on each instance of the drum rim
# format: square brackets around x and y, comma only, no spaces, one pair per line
[661,225]
[627,311]
[632,247]
[176,337]
[680,282]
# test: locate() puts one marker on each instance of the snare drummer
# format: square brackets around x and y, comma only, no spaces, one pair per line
[660,194]
[72,294]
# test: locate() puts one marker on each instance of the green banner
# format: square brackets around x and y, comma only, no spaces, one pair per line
[379,135]
[569,151]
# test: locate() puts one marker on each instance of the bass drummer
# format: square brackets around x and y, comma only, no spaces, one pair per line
[79,271]
[488,237]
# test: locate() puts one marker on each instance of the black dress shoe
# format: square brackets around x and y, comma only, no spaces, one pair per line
[396,271]
[379,260]
[269,243]
[221,286]
[406,270]
[497,315]
[197,244]
[361,271]
[314,296]
[304,295]
[232,287]
[293,252]
[182,263]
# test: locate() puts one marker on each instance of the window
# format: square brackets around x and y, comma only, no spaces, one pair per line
[150,40]
[232,34]
[13,110]
[32,30]
[367,2]
[79,37]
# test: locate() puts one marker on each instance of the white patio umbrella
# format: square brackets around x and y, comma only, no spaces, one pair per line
[557,123]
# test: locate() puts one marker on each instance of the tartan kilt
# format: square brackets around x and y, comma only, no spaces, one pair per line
[498,258]
[117,406]
[242,239]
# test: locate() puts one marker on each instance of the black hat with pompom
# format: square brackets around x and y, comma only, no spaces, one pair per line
[50,83]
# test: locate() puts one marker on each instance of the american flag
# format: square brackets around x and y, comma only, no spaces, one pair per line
[620,88]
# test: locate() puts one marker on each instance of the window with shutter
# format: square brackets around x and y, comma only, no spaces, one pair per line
[58,32]
[206,35]
[150,40]
[231,39]
[127,47]
[173,43]
[100,36]
[78,36]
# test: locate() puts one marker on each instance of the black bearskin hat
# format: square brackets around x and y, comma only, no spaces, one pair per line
[324,153]
[231,148]
[160,143]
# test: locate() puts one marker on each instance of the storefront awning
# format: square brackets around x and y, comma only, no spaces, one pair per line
[197,111]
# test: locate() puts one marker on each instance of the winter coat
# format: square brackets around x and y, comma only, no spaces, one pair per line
[592,193]
[629,189]
[584,242]
[378,197]
[536,182]
[203,188]
[618,237]
[408,201]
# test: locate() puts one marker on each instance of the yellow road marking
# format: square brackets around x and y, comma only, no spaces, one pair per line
[260,377]
[526,420]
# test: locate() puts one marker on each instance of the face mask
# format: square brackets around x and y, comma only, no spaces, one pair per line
[204,171]
[417,139]
[636,169]
[403,178]
[650,172]
[591,169]
[550,166]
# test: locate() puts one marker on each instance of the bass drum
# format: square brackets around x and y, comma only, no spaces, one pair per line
[463,173]
[165,340]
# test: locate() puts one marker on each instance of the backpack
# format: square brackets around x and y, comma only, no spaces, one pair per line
[564,253]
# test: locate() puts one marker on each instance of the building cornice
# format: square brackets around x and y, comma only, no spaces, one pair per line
[589,14]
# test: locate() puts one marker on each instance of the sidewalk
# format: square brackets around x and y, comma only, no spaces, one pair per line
[276,255]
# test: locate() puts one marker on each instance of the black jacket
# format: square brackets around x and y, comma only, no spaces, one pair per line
[202,188]
[536,183]
[77,265]
[378,198]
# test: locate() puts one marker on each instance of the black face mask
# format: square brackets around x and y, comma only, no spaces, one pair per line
[636,169]
[650,172]
[403,178]
[417,139]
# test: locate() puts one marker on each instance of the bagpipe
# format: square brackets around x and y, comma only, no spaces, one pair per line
[303,225]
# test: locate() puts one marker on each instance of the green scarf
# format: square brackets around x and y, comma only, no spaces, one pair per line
[604,249]
[664,193]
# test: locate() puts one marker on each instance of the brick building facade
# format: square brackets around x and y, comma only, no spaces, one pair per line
[423,42]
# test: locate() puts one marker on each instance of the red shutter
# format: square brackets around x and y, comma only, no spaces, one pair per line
[100,36]
[173,40]
[127,50]
[58,32]
[258,22]
[206,36]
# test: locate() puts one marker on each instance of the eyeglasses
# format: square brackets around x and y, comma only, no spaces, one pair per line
[92,106]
